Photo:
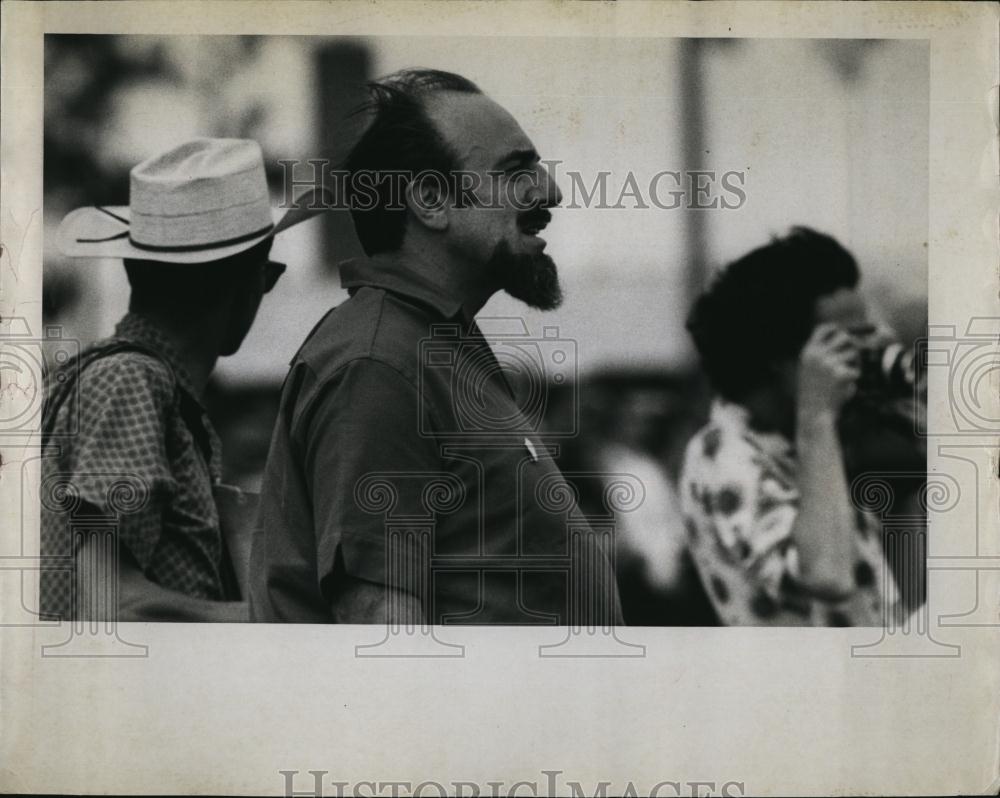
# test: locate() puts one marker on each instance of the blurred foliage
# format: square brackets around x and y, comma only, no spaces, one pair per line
[86,77]
[81,75]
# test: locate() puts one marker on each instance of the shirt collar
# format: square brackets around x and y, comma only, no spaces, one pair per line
[389,272]
[139,329]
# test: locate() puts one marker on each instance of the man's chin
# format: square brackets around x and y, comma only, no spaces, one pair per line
[533,279]
[538,301]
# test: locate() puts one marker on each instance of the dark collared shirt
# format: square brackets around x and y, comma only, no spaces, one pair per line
[402,457]
[129,441]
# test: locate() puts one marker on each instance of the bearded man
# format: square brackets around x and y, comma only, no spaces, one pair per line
[405,482]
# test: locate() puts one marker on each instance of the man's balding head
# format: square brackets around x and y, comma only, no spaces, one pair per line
[401,138]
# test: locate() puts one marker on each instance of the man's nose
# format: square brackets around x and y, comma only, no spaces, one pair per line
[548,191]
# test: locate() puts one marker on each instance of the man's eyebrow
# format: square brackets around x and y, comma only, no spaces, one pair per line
[526,156]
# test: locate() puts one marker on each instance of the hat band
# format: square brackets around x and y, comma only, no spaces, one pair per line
[197,247]
[194,248]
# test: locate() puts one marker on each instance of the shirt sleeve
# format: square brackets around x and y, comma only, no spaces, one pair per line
[751,509]
[367,462]
[118,463]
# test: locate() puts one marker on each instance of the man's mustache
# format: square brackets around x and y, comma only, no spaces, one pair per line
[535,217]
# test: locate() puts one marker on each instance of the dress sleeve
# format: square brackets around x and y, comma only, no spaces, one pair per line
[118,463]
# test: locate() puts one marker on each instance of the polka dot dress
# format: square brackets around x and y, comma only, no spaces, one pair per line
[740,501]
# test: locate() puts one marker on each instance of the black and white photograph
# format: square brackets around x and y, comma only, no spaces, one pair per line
[398,342]
[604,363]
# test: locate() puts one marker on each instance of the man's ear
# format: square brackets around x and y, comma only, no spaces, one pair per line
[427,200]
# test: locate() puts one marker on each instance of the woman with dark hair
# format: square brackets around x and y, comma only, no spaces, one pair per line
[764,488]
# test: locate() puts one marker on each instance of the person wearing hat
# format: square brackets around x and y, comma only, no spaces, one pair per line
[125,434]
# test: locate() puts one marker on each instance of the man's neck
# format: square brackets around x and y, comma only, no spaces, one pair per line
[196,347]
[458,279]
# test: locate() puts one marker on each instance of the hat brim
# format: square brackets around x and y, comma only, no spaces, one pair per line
[96,233]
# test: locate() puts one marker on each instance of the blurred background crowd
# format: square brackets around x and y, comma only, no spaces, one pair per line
[826,133]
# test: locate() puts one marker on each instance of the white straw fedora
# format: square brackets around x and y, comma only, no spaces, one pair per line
[204,200]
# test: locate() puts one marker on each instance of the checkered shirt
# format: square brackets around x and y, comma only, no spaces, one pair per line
[128,447]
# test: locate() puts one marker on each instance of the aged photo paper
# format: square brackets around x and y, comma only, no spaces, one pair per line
[487,399]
